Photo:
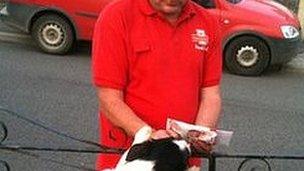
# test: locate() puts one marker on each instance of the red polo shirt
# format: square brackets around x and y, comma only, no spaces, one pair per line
[156,64]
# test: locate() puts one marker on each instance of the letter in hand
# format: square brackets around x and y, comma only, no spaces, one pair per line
[201,142]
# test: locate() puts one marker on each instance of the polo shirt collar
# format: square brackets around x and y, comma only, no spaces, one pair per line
[188,10]
[147,9]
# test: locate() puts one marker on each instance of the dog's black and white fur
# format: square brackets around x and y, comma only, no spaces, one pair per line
[155,155]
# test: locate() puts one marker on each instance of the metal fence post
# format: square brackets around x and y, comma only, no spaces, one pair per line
[301,16]
[212,163]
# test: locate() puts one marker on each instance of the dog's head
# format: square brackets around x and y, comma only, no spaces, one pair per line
[163,154]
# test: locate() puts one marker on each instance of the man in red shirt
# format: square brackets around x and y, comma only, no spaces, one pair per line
[153,60]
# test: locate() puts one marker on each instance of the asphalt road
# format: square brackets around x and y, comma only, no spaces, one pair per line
[266,113]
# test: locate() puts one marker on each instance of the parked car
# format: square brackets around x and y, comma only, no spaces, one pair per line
[255,33]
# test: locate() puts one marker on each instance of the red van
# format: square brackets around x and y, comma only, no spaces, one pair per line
[256,33]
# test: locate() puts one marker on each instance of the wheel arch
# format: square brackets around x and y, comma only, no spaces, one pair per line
[56,12]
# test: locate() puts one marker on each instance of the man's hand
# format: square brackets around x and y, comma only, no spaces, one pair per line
[198,146]
[161,134]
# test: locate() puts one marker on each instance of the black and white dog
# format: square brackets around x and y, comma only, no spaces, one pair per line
[155,155]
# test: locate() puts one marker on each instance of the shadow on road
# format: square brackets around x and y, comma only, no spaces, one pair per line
[83,47]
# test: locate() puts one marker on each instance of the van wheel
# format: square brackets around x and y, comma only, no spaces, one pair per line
[247,55]
[53,34]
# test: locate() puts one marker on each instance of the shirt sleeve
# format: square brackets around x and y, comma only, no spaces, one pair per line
[109,56]
[212,69]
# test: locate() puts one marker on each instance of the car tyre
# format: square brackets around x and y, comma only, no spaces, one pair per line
[247,56]
[53,34]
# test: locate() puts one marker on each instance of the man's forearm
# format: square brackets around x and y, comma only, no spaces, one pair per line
[118,112]
[210,108]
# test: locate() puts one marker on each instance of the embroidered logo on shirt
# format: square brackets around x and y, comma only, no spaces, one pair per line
[200,40]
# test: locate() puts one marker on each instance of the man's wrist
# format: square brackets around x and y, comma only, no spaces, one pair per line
[212,127]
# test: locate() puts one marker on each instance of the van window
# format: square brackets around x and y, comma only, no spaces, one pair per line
[206,3]
[234,1]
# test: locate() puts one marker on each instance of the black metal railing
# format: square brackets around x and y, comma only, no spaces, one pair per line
[247,161]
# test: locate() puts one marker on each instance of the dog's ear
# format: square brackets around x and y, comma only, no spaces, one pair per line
[138,151]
